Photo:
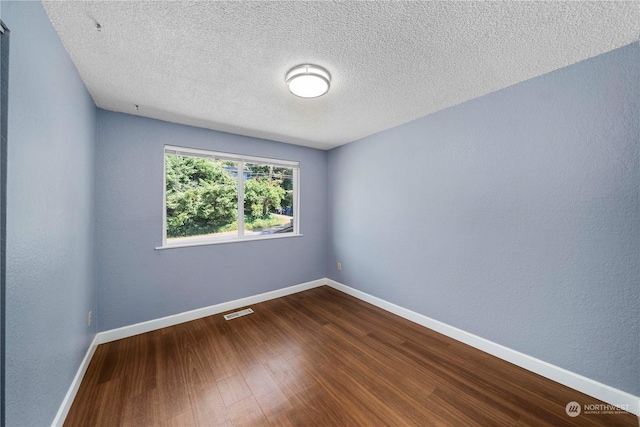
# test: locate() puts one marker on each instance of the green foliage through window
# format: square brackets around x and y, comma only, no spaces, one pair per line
[202,197]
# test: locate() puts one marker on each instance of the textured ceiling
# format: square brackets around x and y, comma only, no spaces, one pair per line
[221,65]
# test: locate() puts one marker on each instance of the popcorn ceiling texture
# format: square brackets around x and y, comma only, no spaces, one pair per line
[221,65]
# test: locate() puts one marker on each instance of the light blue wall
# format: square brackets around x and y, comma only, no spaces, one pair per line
[514,216]
[137,282]
[51,283]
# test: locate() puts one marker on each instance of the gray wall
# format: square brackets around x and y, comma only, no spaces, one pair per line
[137,282]
[514,216]
[51,283]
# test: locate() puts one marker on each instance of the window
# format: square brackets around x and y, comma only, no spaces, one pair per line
[214,197]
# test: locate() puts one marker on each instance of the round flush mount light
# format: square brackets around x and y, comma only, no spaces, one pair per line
[308,81]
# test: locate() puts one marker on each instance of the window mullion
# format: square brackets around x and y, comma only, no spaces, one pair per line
[240,199]
[296,200]
[164,201]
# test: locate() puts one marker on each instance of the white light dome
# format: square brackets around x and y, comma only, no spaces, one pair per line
[308,81]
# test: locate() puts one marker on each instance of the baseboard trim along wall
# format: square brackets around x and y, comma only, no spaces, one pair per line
[163,322]
[585,385]
[75,385]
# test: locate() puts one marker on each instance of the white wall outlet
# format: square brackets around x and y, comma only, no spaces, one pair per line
[89,319]
[339,266]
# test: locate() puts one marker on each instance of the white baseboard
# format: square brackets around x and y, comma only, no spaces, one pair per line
[585,385]
[175,319]
[75,385]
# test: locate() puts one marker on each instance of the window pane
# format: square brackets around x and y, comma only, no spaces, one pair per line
[201,198]
[268,199]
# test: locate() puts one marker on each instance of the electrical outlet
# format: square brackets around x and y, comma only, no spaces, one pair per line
[339,266]
[89,319]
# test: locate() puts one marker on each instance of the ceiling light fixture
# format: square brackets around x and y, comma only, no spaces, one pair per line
[308,81]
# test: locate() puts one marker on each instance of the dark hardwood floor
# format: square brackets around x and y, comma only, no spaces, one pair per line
[316,358]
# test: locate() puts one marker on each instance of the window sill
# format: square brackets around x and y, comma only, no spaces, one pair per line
[186,244]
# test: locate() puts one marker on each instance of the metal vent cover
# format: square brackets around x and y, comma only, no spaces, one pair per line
[237,314]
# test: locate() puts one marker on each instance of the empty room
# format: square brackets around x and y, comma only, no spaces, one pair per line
[322,213]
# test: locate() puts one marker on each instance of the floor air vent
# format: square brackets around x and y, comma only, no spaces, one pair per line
[238,314]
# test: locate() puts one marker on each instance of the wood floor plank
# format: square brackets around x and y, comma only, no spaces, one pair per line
[219,355]
[112,396]
[266,391]
[141,410]
[315,358]
[233,389]
[170,377]
[208,408]
[183,419]
[247,413]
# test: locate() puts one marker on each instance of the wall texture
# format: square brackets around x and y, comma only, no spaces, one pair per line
[136,282]
[514,216]
[51,283]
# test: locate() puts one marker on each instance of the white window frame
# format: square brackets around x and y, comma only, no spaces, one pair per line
[241,159]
